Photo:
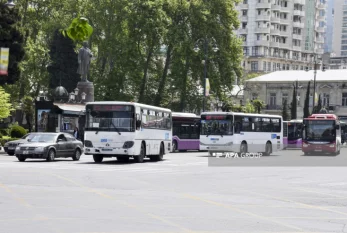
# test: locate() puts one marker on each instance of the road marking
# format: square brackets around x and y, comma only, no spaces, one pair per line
[319,192]
[242,211]
[170,223]
[15,196]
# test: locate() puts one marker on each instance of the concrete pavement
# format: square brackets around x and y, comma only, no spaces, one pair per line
[179,194]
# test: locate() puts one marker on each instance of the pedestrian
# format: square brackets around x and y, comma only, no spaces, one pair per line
[76,133]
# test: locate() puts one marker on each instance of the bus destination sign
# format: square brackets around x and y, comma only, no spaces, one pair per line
[111,108]
[216,117]
[320,122]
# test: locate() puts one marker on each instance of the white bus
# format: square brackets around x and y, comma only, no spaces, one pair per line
[127,129]
[240,132]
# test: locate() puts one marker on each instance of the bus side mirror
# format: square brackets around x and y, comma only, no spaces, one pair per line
[138,123]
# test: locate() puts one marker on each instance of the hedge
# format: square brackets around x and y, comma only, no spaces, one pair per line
[17,131]
[3,141]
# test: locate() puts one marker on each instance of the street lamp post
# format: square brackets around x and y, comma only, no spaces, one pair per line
[315,67]
[206,42]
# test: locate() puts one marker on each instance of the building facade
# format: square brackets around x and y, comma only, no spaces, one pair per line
[340,28]
[328,39]
[274,88]
[280,34]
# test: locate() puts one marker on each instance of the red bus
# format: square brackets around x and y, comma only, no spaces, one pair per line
[321,134]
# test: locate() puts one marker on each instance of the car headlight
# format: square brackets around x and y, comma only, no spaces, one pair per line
[40,149]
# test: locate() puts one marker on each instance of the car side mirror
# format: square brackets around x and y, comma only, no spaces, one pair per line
[59,140]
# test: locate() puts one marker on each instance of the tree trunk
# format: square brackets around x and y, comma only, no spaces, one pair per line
[28,119]
[162,83]
[145,76]
[184,87]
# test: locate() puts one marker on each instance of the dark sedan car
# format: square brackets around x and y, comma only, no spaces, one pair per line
[10,147]
[50,146]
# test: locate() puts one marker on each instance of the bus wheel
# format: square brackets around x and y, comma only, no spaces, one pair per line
[98,158]
[141,156]
[160,156]
[243,147]
[268,148]
[174,146]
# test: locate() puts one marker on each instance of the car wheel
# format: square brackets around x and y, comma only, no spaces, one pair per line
[98,158]
[77,155]
[21,158]
[10,153]
[141,156]
[51,155]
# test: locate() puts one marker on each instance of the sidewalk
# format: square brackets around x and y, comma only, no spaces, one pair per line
[2,150]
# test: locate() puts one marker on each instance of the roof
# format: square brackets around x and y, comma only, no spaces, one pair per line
[74,109]
[128,103]
[241,114]
[184,114]
[301,75]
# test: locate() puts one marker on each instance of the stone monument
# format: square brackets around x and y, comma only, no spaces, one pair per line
[84,86]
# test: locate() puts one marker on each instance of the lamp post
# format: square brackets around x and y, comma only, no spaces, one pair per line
[315,67]
[205,42]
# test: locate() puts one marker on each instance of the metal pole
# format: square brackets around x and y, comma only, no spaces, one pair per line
[314,84]
[205,73]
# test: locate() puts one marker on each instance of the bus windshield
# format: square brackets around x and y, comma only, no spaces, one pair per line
[320,130]
[294,131]
[216,125]
[117,118]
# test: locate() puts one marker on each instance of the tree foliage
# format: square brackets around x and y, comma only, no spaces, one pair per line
[293,107]
[307,101]
[285,110]
[258,105]
[11,37]
[79,29]
[64,64]
[5,105]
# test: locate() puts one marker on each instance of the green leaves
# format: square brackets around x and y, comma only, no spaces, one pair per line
[5,105]
[79,29]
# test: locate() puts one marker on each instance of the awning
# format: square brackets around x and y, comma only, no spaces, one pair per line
[72,109]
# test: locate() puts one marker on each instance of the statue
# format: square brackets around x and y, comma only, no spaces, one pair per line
[84,58]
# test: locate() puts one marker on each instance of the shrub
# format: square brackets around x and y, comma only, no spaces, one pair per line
[3,141]
[4,132]
[17,131]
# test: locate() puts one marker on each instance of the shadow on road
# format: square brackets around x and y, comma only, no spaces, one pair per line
[115,162]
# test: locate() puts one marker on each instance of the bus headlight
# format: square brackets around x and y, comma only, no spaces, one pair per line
[304,144]
[88,143]
[332,145]
[128,144]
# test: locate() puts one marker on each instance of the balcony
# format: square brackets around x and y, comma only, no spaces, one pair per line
[298,25]
[321,18]
[285,9]
[244,18]
[296,48]
[263,5]
[263,18]
[285,33]
[262,30]
[274,44]
[262,43]
[300,2]
[275,20]
[321,6]
[297,37]
[319,40]
[275,32]
[302,13]
[320,29]
[319,51]
[243,6]
[243,31]
[275,7]
[284,46]
[297,12]
[285,21]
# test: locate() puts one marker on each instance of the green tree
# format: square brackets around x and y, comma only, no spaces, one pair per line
[319,105]
[285,110]
[28,109]
[258,105]
[249,108]
[293,107]
[307,101]
[5,105]
[11,37]
[64,63]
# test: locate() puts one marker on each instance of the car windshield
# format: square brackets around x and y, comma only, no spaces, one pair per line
[43,138]
[320,130]
[28,136]
[294,132]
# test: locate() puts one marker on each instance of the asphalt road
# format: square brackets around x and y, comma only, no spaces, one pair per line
[180,194]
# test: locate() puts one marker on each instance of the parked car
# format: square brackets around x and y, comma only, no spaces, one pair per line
[10,147]
[50,146]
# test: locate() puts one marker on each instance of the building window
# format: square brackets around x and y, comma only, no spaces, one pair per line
[272,99]
[326,99]
[264,66]
[284,97]
[245,51]
[254,66]
[254,96]
[344,99]
[269,66]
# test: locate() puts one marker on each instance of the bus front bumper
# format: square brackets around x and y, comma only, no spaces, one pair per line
[109,151]
[329,148]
